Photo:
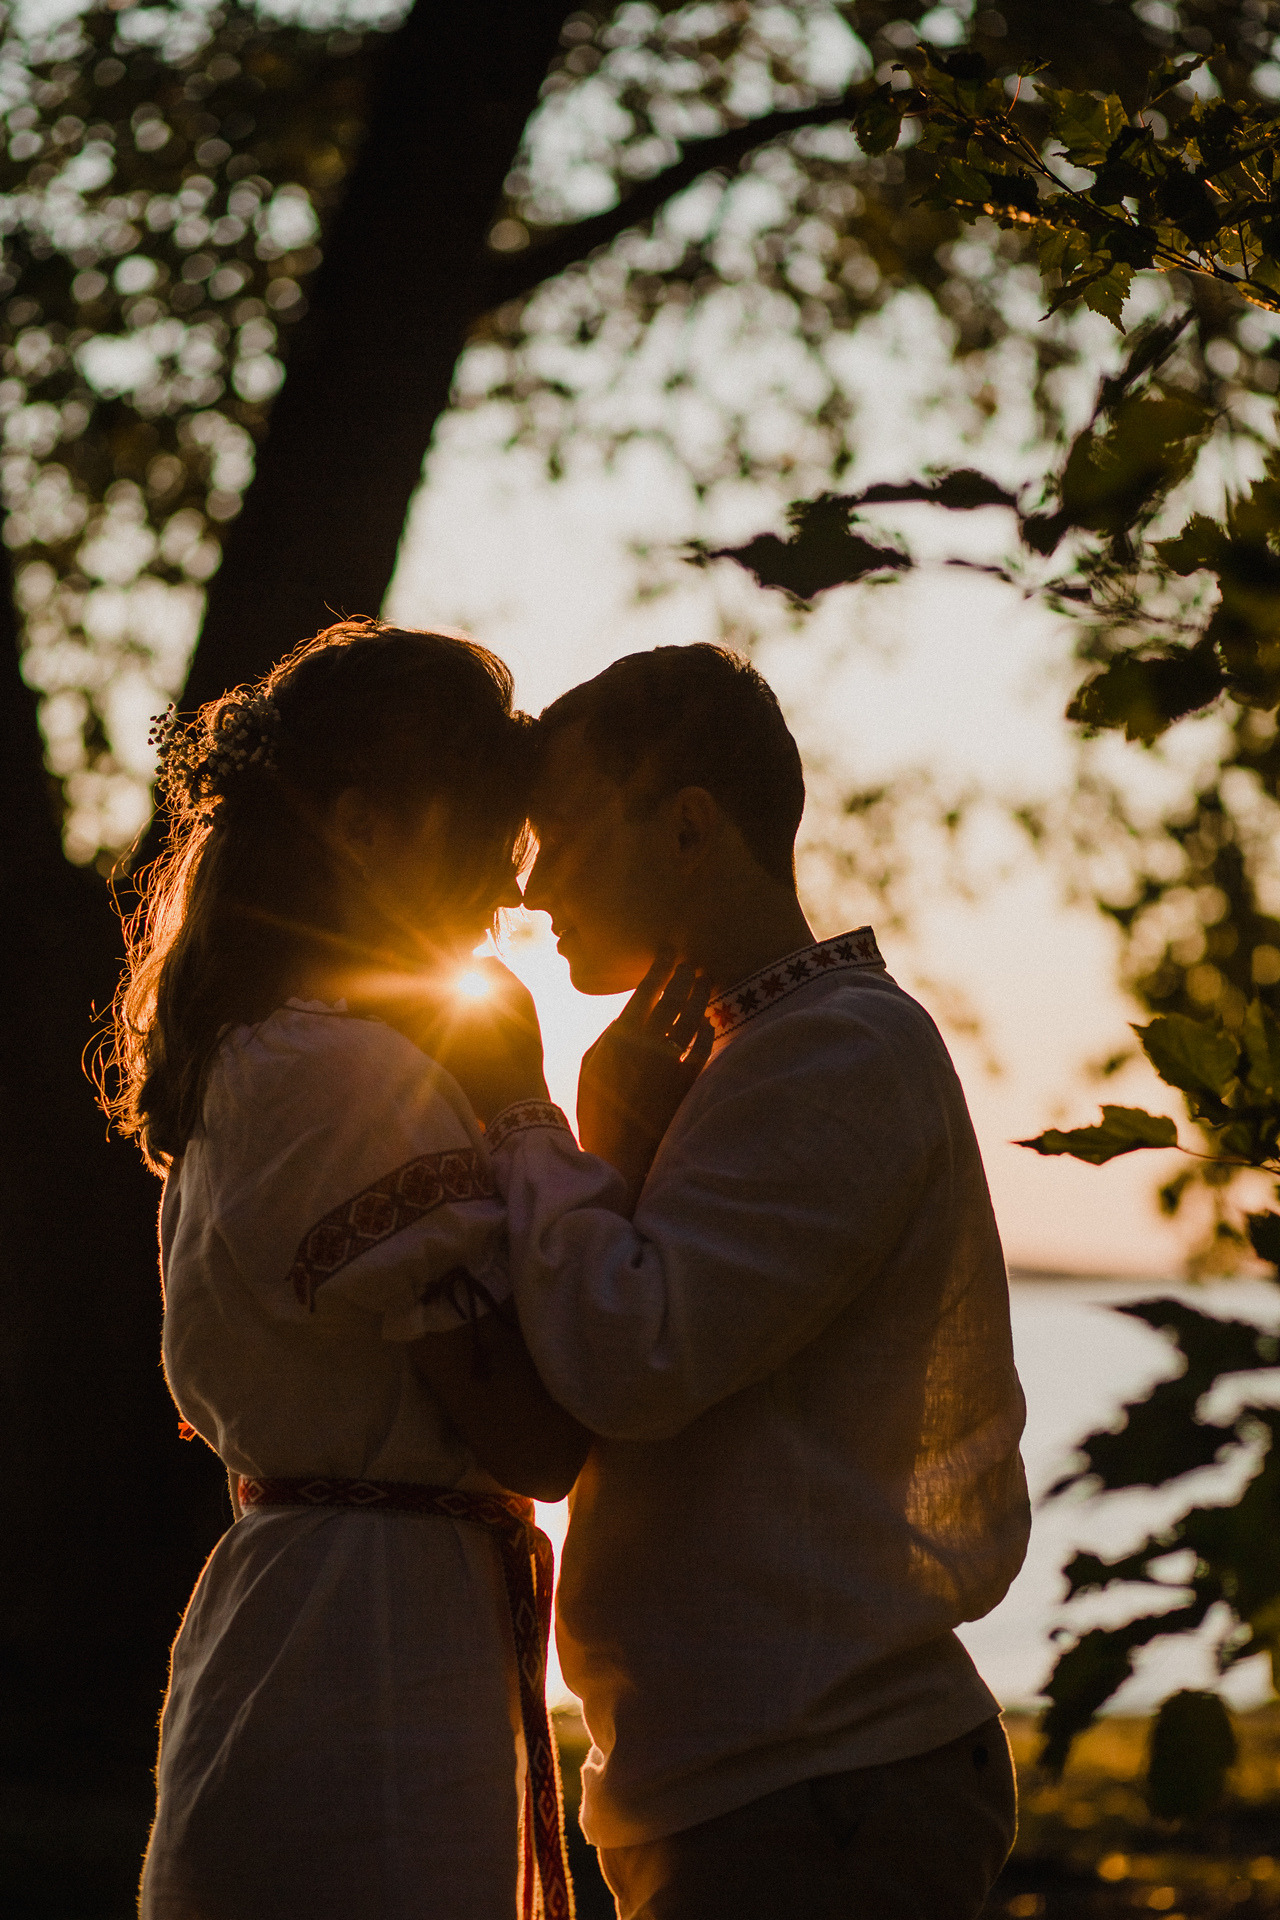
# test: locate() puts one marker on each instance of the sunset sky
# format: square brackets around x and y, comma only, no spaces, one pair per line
[948,672]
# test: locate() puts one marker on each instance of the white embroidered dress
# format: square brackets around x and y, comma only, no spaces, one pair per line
[341,1734]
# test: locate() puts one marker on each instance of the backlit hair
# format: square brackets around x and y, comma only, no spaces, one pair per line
[247,893]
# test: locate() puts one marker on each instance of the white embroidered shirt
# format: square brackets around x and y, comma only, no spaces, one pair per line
[798,1358]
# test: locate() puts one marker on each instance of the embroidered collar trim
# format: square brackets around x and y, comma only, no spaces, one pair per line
[765,989]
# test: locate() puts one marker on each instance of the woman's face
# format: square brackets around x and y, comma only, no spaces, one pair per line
[422,877]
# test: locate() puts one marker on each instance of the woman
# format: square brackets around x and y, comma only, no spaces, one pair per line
[344,1732]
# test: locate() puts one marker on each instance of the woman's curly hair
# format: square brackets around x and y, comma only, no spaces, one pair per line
[245,897]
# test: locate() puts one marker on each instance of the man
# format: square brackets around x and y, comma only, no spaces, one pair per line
[796,1354]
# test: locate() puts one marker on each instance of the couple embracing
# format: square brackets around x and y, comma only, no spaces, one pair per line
[757,1321]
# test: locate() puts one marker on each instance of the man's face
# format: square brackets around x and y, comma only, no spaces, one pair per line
[602,872]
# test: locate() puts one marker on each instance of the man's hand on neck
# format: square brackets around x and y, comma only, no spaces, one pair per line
[634,1078]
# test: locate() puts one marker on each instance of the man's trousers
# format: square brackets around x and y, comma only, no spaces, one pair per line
[915,1839]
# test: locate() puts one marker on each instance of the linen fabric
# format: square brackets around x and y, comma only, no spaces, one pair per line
[798,1357]
[342,1728]
[917,1839]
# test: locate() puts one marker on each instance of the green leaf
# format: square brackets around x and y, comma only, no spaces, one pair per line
[1108,294]
[1052,245]
[1129,241]
[822,552]
[1113,478]
[1122,174]
[1237,1555]
[1186,202]
[1222,134]
[1149,347]
[1146,694]
[1017,190]
[1193,1745]
[1123,1130]
[1211,1346]
[965,64]
[1089,1672]
[1074,287]
[958,181]
[1264,1236]
[1170,73]
[1264,1637]
[1239,1545]
[1087,1573]
[1042,532]
[877,124]
[1239,1142]
[1260,1033]
[1193,1055]
[1085,124]
[1201,543]
[958,81]
[961,490]
[1160,1440]
[1160,1437]
[1245,626]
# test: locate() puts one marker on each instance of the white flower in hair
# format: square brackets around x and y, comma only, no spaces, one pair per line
[205,760]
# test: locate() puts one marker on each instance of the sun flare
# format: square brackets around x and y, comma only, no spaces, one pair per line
[472,984]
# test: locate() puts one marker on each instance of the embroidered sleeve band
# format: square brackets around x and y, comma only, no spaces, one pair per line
[525,1113]
[386,1208]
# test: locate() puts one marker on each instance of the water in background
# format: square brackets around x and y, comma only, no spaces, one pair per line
[1080,1361]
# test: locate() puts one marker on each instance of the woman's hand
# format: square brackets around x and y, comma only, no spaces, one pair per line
[486,1382]
[640,1069]
[491,1043]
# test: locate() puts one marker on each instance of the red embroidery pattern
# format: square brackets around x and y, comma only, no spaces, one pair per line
[764,989]
[388,1207]
[525,1113]
[528,1567]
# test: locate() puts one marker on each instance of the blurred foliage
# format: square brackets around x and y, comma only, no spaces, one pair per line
[1090,1846]
[691,232]
[1104,191]
[1222,1560]
[1155,534]
[799,238]
[1175,585]
[1190,1723]
[162,196]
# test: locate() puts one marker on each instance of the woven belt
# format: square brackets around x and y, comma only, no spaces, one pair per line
[528,1566]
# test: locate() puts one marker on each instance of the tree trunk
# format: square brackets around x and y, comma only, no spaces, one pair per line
[107,1514]
[372,362]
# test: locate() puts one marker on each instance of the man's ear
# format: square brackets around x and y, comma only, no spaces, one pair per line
[697,818]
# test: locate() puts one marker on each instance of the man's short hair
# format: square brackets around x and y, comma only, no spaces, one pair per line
[696,716]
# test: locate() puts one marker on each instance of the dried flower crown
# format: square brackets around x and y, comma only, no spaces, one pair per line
[207,759]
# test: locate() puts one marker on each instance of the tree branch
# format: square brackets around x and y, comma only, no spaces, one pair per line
[502,279]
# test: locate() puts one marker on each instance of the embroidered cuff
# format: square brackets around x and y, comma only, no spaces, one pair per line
[386,1208]
[525,1114]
